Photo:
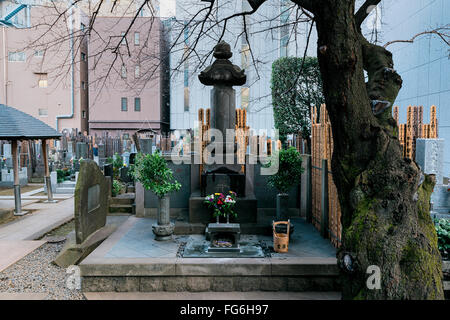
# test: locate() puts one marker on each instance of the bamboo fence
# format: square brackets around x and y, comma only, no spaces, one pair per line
[322,148]
[414,128]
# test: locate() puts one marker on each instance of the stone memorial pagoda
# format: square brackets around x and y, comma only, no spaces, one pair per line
[223,176]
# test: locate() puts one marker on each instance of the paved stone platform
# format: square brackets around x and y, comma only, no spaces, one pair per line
[131,260]
[256,295]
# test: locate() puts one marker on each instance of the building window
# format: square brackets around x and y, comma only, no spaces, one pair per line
[43,112]
[83,56]
[83,114]
[84,85]
[123,71]
[137,71]
[82,27]
[42,81]
[137,104]
[16,56]
[124,106]
[124,39]
[136,38]
[39,53]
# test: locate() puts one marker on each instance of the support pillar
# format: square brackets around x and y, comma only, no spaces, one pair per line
[48,182]
[17,198]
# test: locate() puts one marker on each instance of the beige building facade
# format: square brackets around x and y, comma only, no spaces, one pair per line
[45,72]
[127,76]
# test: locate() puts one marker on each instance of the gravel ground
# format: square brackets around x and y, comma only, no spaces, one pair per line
[35,273]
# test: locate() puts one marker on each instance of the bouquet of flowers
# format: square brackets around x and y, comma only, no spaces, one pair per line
[222,204]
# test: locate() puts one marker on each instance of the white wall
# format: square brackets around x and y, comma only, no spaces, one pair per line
[423,65]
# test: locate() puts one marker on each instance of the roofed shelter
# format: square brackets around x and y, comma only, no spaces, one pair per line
[16,125]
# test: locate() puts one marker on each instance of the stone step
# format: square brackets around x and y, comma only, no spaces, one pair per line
[121,208]
[124,198]
[131,189]
[65,190]
[116,200]
[66,185]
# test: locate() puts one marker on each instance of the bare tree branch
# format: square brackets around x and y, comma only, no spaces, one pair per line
[445,36]
[364,11]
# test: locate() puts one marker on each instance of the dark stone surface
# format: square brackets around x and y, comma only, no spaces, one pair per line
[246,209]
[88,221]
[222,71]
[81,150]
[146,146]
[124,175]
[179,199]
[267,196]
[223,179]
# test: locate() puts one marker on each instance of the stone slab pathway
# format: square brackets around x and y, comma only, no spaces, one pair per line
[14,250]
[36,224]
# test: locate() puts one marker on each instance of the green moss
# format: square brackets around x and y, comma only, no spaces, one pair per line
[364,219]
[422,267]
[360,296]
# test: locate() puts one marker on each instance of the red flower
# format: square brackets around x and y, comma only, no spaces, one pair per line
[219,202]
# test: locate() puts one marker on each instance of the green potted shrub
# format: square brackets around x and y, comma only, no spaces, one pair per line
[154,174]
[288,175]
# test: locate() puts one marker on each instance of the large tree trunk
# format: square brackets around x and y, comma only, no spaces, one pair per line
[384,197]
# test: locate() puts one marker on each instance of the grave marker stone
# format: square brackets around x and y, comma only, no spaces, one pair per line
[430,157]
[91,200]
[81,150]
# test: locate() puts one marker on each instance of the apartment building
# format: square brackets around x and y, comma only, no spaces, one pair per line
[127,76]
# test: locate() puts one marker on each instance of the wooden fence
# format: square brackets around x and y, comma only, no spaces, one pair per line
[326,211]
[415,128]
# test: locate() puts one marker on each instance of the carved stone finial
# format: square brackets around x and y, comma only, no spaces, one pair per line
[222,71]
[222,51]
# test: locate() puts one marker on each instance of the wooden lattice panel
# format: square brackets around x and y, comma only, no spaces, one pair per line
[414,128]
[322,148]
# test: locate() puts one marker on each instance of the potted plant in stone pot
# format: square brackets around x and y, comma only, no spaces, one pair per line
[154,174]
[288,175]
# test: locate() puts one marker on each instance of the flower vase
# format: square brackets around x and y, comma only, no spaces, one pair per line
[217,219]
[228,218]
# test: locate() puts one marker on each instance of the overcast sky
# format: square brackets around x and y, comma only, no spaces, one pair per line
[167,8]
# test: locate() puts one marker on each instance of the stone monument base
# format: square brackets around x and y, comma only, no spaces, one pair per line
[163,232]
[72,253]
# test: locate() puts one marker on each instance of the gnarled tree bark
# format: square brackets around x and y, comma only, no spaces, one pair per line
[384,197]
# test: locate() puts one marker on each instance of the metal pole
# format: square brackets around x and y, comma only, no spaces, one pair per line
[324,202]
[48,182]
[17,199]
